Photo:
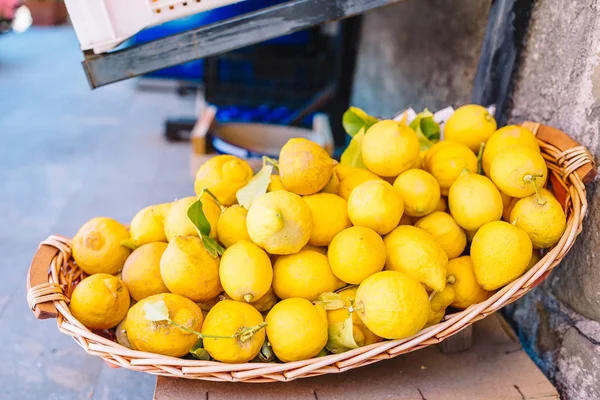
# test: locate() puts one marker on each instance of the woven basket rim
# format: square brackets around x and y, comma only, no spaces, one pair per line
[562,164]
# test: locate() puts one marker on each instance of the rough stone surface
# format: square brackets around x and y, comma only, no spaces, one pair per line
[559,85]
[419,53]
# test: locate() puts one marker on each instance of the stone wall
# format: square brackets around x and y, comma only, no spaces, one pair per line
[559,84]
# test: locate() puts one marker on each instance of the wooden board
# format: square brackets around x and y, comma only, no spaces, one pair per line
[496,367]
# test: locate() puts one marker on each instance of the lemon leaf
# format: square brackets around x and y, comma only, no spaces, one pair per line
[352,156]
[256,187]
[266,352]
[196,215]
[156,311]
[355,119]
[199,352]
[129,243]
[212,246]
[341,336]
[324,352]
[330,301]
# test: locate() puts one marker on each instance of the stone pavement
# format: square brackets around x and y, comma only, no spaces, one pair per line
[68,154]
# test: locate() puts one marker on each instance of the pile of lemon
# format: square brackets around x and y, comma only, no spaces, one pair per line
[310,256]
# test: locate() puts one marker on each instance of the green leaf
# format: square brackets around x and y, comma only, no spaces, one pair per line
[196,215]
[341,336]
[199,352]
[430,129]
[129,243]
[352,156]
[355,119]
[426,128]
[330,301]
[156,311]
[256,187]
[212,246]
[266,352]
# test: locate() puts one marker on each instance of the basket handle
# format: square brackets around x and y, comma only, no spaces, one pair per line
[37,280]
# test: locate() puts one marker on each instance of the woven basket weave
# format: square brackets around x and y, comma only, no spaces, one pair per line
[53,274]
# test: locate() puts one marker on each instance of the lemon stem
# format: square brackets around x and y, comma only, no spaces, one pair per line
[532,178]
[247,333]
[451,280]
[480,159]
[272,161]
[214,198]
[432,295]
[248,297]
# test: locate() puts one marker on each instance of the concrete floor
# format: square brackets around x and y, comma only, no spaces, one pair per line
[68,154]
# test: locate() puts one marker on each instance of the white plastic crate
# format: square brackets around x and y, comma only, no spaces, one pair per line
[101,25]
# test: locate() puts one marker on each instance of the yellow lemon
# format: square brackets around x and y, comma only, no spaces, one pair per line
[541,217]
[446,160]
[362,335]
[500,253]
[148,225]
[231,227]
[474,200]
[161,337]
[350,177]
[507,205]
[376,205]
[275,184]
[392,305]
[297,329]
[419,190]
[506,138]
[280,222]
[406,220]
[121,334]
[416,253]
[356,253]
[519,171]
[470,125]
[333,185]
[188,269]
[461,277]
[390,148]
[100,301]
[318,249]
[223,175]
[329,217]
[442,205]
[305,274]
[237,319]
[438,304]
[450,236]
[141,272]
[177,222]
[97,246]
[266,302]
[206,306]
[245,271]
[304,166]
[535,257]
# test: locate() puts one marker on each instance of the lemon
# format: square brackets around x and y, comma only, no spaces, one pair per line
[223,175]
[161,337]
[535,257]
[177,222]
[449,235]
[474,201]
[266,302]
[206,306]
[97,246]
[390,148]
[362,335]
[541,217]
[280,222]
[405,220]
[121,334]
[329,217]
[416,253]
[470,125]
[446,160]
[333,184]
[356,253]
[297,329]
[229,318]
[392,305]
[507,205]
[141,272]
[519,171]
[100,301]
[505,138]
[305,274]
[304,166]
[500,253]
[275,184]
[231,227]
[318,249]
[376,205]
[438,304]
[350,177]
[467,290]
[188,269]
[147,225]
[245,271]
[442,205]
[470,235]
[419,190]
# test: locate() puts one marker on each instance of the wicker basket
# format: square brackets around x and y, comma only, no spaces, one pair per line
[571,166]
